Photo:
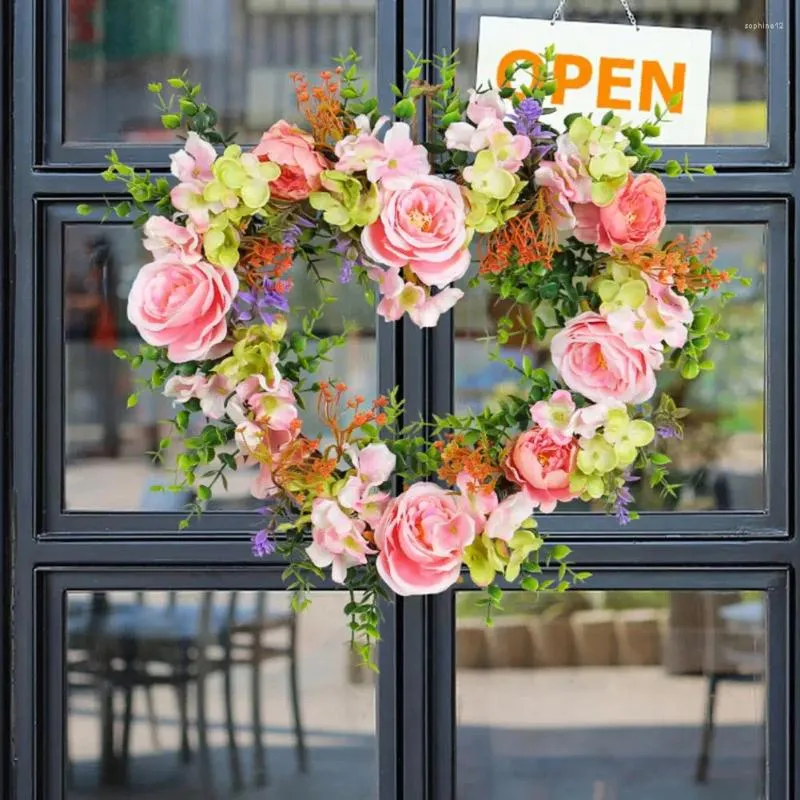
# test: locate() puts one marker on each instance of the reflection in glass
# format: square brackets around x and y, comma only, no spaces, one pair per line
[619,695]
[239,50]
[107,445]
[737,112]
[197,694]
[720,461]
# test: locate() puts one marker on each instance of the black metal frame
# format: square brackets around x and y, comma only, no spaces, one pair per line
[47,552]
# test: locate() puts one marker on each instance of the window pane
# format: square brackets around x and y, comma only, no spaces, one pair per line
[298,720]
[720,461]
[107,445]
[241,51]
[605,695]
[738,90]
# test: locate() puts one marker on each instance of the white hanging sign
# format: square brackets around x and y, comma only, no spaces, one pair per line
[601,67]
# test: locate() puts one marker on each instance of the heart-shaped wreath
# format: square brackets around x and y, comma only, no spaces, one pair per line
[567,226]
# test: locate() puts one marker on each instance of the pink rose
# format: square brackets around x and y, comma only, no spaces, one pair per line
[338,540]
[421,539]
[399,161]
[509,515]
[635,218]
[485,105]
[167,240]
[182,307]
[599,364]
[293,151]
[566,180]
[541,467]
[422,227]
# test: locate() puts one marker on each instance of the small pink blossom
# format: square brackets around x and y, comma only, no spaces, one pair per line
[183,308]
[478,500]
[421,539]
[401,161]
[485,105]
[566,180]
[211,390]
[166,240]
[338,540]
[635,218]
[598,363]
[426,314]
[491,134]
[357,151]
[585,421]
[509,515]
[193,163]
[555,414]
[541,467]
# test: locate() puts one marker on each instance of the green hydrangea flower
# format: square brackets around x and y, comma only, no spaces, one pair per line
[488,178]
[255,352]
[221,242]
[619,286]
[524,542]
[345,204]
[241,183]
[483,560]
[486,213]
[589,487]
[596,456]
[626,436]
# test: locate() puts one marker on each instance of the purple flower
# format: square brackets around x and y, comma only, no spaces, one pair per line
[262,543]
[624,498]
[350,257]
[261,303]
[669,432]
[292,234]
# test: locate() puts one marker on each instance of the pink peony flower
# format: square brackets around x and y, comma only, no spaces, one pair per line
[293,150]
[541,467]
[338,540]
[485,105]
[182,308]
[167,240]
[506,519]
[555,414]
[421,539]
[400,161]
[211,390]
[566,180]
[598,363]
[634,219]
[422,227]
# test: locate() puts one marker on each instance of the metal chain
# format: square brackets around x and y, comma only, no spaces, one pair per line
[560,8]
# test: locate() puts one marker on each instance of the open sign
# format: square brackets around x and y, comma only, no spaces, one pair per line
[609,68]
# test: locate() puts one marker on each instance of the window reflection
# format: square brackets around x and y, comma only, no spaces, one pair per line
[720,461]
[199,694]
[619,695]
[239,50]
[737,99]
[107,446]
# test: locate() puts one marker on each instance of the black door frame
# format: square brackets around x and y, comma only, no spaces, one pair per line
[46,552]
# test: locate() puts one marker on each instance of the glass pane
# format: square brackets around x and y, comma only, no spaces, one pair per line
[241,51]
[107,445]
[286,712]
[720,461]
[737,111]
[619,695]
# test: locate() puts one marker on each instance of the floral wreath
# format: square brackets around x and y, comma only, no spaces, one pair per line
[567,226]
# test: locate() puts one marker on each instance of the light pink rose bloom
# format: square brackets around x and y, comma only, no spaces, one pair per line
[566,180]
[478,500]
[167,240]
[293,150]
[555,414]
[635,218]
[507,518]
[424,228]
[585,421]
[599,364]
[211,390]
[541,467]
[400,162]
[338,540]
[421,539]
[485,105]
[193,163]
[182,308]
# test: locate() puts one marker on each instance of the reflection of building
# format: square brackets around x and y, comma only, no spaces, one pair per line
[737,112]
[240,51]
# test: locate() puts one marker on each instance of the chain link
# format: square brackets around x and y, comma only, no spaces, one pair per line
[560,8]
